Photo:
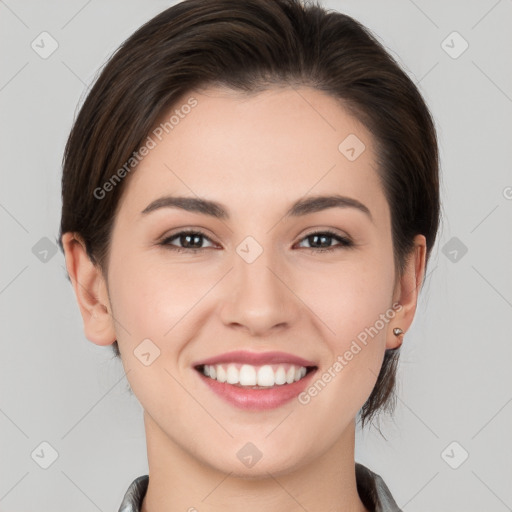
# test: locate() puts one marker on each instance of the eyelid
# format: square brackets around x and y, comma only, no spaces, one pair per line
[203,231]
[180,231]
[344,240]
[331,231]
[188,229]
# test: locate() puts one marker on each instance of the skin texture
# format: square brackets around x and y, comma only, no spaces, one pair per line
[256,155]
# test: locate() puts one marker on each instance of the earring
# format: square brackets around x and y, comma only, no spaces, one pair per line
[398,332]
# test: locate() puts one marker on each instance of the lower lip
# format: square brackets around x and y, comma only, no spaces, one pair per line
[257,399]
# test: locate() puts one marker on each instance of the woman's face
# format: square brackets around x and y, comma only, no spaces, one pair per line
[258,280]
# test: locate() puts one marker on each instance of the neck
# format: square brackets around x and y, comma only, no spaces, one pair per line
[180,482]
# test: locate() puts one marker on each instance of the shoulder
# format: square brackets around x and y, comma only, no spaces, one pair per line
[133,497]
[373,491]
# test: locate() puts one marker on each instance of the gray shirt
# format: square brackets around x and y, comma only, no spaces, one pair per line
[372,490]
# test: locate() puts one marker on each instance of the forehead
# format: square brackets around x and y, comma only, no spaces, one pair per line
[256,150]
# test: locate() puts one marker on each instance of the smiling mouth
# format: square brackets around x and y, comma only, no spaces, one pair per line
[255,377]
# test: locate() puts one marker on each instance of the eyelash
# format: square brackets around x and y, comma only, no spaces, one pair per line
[344,242]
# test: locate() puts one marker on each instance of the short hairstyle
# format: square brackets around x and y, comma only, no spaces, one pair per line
[251,46]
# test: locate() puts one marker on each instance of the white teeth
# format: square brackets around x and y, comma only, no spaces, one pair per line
[266,376]
[280,376]
[248,375]
[218,373]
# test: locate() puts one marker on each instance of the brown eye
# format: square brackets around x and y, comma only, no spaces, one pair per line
[323,239]
[189,239]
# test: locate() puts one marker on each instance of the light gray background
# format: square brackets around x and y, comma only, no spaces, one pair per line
[455,379]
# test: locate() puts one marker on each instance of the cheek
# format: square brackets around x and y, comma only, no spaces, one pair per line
[151,296]
[355,308]
[352,298]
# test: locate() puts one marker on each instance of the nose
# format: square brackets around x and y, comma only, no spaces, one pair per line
[259,297]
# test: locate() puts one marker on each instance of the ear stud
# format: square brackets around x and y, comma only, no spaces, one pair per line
[397,331]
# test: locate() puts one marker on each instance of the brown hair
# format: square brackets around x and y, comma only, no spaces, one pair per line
[250,46]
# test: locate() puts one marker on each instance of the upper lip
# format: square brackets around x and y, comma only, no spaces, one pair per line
[255,358]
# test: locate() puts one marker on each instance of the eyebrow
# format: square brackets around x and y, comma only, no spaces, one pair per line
[298,209]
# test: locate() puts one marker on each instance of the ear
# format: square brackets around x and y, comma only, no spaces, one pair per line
[90,290]
[406,292]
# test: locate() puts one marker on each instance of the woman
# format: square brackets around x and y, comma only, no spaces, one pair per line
[250,199]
